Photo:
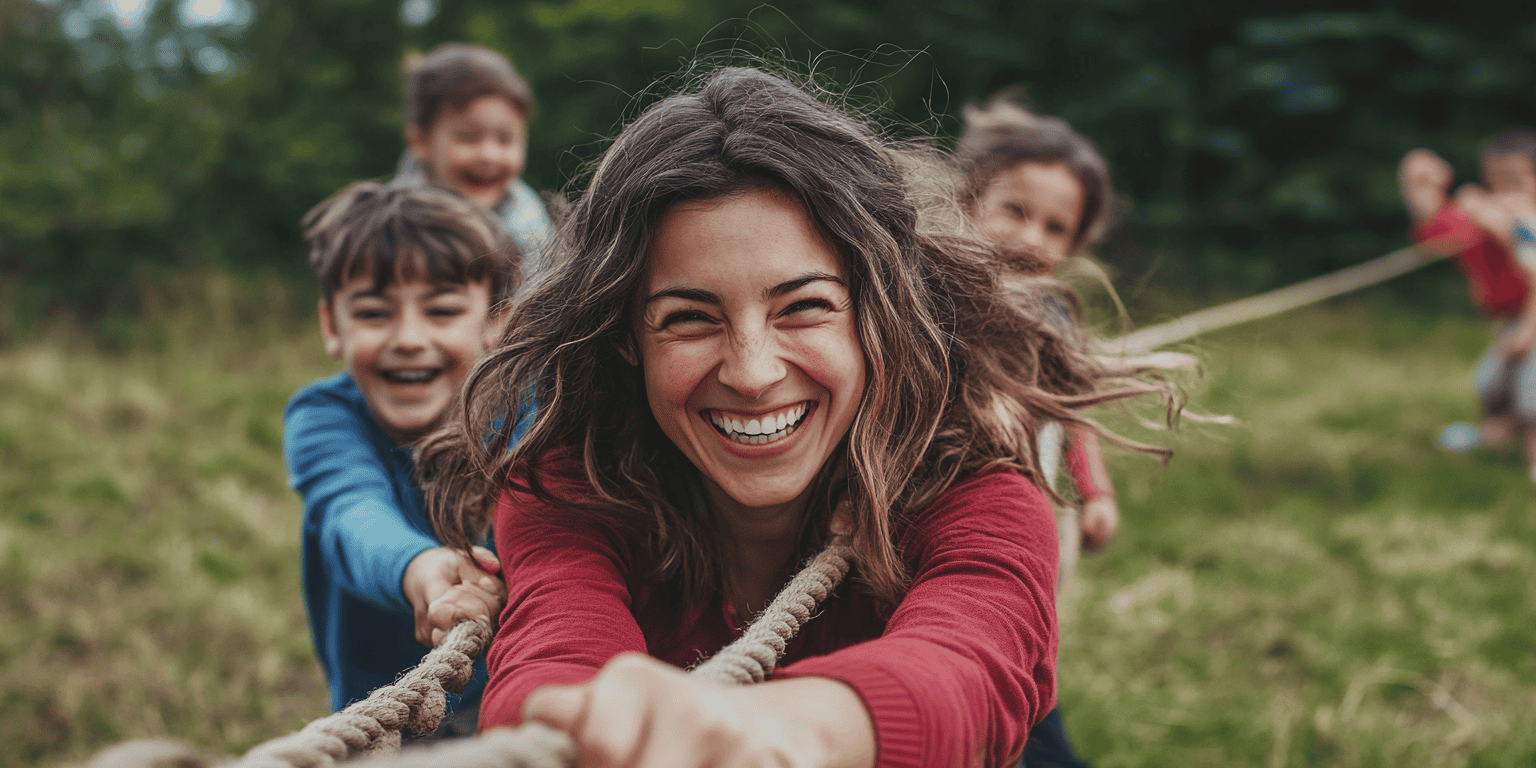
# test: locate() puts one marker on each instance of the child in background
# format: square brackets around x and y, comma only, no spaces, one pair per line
[1492,230]
[414,282]
[1041,192]
[468,132]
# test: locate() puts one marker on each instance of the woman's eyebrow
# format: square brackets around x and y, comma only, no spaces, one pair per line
[687,294]
[790,286]
[710,297]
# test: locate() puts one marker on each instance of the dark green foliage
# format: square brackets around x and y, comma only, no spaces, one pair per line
[1258,141]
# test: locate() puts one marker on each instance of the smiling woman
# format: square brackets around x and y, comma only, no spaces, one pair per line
[764,329]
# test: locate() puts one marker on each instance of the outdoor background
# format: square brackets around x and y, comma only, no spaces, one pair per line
[1314,585]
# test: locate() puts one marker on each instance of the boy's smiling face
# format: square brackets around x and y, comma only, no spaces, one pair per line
[475,151]
[408,346]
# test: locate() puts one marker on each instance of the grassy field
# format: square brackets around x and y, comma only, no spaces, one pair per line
[1317,585]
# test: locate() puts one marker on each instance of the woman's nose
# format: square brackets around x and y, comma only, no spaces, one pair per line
[753,363]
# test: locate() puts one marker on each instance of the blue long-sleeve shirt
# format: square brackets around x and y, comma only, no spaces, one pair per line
[365,518]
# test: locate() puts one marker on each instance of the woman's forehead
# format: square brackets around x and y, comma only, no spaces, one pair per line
[760,235]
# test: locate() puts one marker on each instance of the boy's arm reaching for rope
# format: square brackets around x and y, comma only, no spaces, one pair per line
[364,540]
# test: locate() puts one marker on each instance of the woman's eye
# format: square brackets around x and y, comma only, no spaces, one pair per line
[1056,228]
[1015,210]
[807,305]
[684,319]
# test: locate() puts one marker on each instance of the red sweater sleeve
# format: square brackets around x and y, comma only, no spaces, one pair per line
[574,572]
[966,664]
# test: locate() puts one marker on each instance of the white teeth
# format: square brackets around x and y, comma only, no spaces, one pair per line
[410,377]
[796,414]
[761,430]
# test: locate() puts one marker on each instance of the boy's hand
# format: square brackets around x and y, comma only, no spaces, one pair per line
[1424,178]
[444,588]
[1098,521]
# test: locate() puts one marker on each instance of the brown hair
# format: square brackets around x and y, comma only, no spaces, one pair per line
[402,232]
[1003,133]
[1515,140]
[454,74]
[961,372]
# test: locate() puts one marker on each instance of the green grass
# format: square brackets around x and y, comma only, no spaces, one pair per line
[149,579]
[1315,585]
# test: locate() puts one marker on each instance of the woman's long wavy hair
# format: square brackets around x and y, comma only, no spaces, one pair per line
[961,371]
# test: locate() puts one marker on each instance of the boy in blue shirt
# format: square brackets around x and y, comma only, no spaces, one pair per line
[414,283]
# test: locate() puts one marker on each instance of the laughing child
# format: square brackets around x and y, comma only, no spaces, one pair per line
[1491,227]
[1041,193]
[414,281]
[467,132]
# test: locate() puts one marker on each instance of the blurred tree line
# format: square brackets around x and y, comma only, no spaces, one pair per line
[1257,141]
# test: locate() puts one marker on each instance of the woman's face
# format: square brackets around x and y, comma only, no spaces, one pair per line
[745,329]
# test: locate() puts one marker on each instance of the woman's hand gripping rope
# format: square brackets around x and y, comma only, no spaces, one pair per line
[641,712]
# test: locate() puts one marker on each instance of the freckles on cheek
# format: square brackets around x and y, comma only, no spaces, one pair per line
[675,374]
[828,360]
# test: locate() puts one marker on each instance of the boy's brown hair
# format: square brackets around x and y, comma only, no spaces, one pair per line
[454,74]
[1515,140]
[396,232]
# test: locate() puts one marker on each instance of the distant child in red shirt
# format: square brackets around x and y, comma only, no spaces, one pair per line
[1491,227]
[767,326]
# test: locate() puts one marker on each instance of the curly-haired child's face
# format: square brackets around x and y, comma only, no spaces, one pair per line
[408,346]
[747,334]
[1034,210]
[475,151]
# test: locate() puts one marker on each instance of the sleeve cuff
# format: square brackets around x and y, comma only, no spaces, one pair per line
[890,704]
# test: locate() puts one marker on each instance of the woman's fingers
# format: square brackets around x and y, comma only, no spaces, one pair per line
[642,713]
[557,706]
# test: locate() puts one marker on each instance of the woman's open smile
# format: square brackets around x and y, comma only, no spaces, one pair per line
[768,429]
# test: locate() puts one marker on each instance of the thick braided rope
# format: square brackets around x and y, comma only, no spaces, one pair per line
[752,657]
[370,729]
[749,659]
[416,702]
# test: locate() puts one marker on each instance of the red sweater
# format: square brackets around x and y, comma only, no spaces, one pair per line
[1498,284]
[957,673]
